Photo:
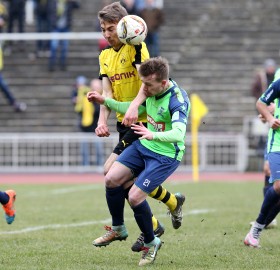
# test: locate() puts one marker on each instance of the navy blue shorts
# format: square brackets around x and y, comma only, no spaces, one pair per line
[150,168]
[274,164]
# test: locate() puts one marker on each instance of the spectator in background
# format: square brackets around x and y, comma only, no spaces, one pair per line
[18,106]
[154,18]
[3,16]
[263,78]
[130,6]
[61,12]
[42,14]
[16,12]
[88,114]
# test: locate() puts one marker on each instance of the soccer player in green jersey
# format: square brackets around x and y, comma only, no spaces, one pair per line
[272,196]
[120,80]
[152,158]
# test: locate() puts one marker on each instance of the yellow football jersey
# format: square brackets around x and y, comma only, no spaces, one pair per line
[120,67]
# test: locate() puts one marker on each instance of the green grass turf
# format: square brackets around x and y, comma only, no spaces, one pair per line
[55,226]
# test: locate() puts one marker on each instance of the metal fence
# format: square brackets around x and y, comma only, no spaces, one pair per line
[80,152]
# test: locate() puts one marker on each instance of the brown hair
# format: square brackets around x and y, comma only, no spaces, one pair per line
[112,13]
[158,66]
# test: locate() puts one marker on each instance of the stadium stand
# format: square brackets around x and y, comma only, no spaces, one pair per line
[213,47]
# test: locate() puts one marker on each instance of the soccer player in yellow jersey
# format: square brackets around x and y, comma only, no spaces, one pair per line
[119,65]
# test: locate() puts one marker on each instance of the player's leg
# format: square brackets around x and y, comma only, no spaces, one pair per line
[266,171]
[109,162]
[271,198]
[115,196]
[271,221]
[157,226]
[143,217]
[7,200]
[174,202]
[126,138]
[158,171]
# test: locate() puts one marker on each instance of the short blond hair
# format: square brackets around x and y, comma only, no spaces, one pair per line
[112,13]
[155,66]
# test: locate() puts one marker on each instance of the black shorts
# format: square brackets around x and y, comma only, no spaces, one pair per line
[126,137]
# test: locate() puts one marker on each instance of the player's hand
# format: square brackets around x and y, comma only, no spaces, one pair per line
[143,131]
[260,116]
[102,131]
[131,116]
[94,96]
[274,123]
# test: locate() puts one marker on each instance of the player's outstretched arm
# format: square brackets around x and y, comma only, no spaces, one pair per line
[121,107]
[131,115]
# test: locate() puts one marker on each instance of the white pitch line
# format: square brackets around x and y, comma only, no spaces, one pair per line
[59,191]
[75,189]
[88,223]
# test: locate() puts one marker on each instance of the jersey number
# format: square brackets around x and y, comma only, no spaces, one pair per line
[146,182]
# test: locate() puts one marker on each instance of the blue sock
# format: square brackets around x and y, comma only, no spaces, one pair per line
[4,197]
[115,200]
[272,213]
[267,185]
[143,217]
[270,200]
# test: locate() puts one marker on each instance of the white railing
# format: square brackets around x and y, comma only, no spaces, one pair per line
[49,36]
[62,152]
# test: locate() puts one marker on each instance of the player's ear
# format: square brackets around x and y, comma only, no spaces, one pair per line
[163,83]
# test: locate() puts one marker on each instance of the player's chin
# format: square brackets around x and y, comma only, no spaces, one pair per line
[148,94]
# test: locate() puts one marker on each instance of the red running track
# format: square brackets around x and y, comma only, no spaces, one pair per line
[83,178]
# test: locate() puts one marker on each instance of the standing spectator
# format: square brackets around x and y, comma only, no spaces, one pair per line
[3,16]
[16,11]
[3,21]
[42,14]
[61,22]
[130,6]
[18,106]
[88,114]
[154,18]
[16,14]
[264,77]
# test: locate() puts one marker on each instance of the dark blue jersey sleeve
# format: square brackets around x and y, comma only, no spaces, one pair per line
[179,109]
[272,93]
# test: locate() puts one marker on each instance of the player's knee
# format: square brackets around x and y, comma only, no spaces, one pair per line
[110,181]
[133,200]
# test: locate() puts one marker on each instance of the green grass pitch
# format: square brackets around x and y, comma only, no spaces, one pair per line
[56,223]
